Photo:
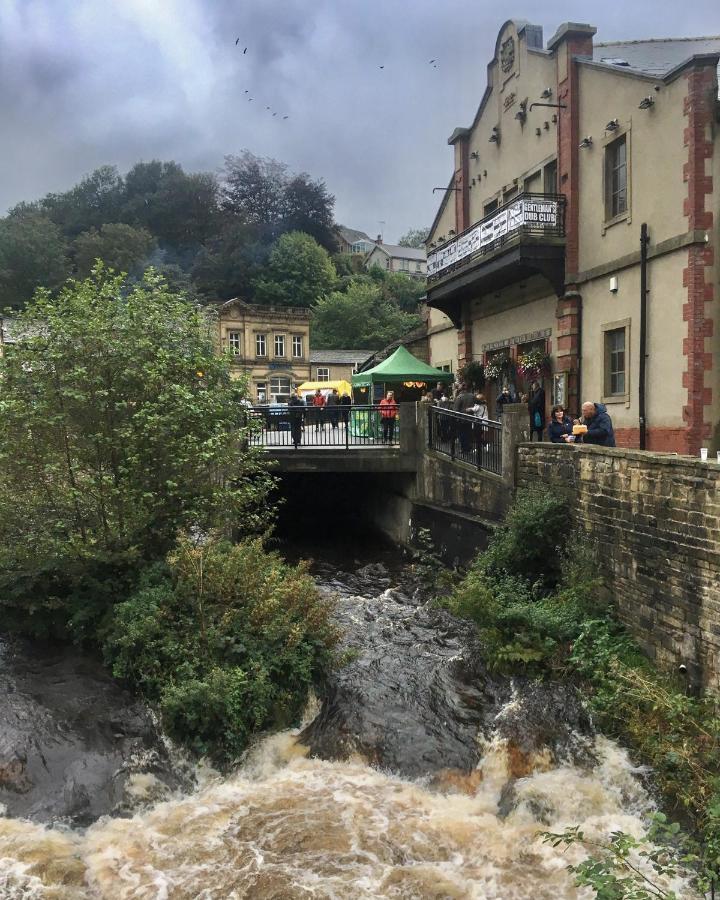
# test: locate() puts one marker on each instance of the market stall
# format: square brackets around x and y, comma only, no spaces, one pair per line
[403,373]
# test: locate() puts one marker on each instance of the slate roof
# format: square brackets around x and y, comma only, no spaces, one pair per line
[340,357]
[352,235]
[402,252]
[656,57]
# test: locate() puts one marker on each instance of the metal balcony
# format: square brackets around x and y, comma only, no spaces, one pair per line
[522,238]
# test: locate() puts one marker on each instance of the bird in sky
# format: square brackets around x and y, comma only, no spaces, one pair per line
[381,67]
[247,91]
[285,117]
[244,51]
[274,114]
[237,41]
[432,61]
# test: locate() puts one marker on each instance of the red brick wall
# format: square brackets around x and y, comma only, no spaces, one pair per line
[697,277]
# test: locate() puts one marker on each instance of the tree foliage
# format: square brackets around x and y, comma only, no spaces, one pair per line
[121,426]
[299,272]
[415,237]
[262,193]
[120,247]
[360,317]
[226,640]
[32,254]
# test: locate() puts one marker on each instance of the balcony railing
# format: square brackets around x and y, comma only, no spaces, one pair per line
[537,215]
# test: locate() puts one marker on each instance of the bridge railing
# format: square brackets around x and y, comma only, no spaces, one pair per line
[466,438]
[339,427]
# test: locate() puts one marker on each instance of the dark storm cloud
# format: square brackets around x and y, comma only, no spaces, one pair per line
[87,82]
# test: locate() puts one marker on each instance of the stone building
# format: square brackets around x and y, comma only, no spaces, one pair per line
[336,365]
[393,258]
[269,344]
[537,246]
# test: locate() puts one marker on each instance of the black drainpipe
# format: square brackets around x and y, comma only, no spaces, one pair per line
[644,241]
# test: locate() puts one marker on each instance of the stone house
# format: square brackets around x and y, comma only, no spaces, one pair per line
[408,260]
[580,223]
[350,240]
[336,365]
[271,345]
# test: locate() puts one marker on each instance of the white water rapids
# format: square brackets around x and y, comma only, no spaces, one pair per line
[285,826]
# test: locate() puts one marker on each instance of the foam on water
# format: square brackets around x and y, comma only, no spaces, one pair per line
[286,826]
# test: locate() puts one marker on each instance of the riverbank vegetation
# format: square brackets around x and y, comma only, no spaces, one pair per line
[124,449]
[537,600]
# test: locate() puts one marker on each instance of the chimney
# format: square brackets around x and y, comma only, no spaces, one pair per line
[378,239]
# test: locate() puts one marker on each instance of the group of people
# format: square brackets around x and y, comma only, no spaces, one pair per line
[333,408]
[593,426]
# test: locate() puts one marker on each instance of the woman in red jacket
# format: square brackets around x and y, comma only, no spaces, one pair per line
[388,414]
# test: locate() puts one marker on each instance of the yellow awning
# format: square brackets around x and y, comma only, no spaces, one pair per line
[343,387]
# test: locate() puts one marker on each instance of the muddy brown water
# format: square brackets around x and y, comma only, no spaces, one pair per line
[466,771]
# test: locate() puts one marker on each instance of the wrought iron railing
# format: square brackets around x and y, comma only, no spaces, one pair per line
[527,214]
[466,438]
[342,427]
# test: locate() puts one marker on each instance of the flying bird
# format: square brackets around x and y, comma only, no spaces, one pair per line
[244,51]
[247,91]
[432,61]
[237,42]
[285,117]
[381,67]
[274,114]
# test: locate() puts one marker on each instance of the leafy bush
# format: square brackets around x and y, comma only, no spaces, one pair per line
[224,639]
[534,597]
[120,427]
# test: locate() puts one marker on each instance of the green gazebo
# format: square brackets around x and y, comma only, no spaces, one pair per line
[400,370]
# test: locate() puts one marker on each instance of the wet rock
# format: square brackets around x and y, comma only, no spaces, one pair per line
[72,740]
[545,717]
[404,702]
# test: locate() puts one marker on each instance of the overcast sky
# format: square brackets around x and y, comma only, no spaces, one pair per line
[89,82]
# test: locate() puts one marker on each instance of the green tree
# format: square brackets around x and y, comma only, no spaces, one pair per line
[299,272]
[178,209]
[121,426]
[360,317]
[263,193]
[121,247]
[403,290]
[32,254]
[415,237]
[97,199]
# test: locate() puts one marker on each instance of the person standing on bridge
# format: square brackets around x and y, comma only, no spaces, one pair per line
[318,403]
[296,412]
[388,414]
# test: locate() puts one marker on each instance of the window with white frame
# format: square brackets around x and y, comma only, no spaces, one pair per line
[615,362]
[279,345]
[616,180]
[322,373]
[297,346]
[235,342]
[260,345]
[279,389]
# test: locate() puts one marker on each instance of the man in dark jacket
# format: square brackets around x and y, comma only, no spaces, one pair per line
[296,413]
[599,425]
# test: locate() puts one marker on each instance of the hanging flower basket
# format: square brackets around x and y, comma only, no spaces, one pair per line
[533,364]
[473,373]
[498,367]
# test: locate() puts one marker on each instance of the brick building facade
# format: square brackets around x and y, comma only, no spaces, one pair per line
[536,246]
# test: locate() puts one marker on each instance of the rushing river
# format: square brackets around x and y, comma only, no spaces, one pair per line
[462,783]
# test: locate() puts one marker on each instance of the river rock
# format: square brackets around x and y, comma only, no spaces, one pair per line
[72,740]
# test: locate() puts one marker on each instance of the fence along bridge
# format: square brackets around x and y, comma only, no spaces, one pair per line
[358,438]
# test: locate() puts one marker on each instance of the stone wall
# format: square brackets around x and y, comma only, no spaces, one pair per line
[655,521]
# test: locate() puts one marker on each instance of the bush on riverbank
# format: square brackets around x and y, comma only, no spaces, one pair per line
[225,640]
[539,611]
[120,427]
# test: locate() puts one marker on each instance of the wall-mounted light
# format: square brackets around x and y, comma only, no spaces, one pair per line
[441,239]
[474,155]
[484,173]
[586,142]
[431,245]
[612,125]
[538,131]
[646,103]
[546,94]
[451,232]
[546,126]
[495,136]
[472,183]
[554,118]
[521,114]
